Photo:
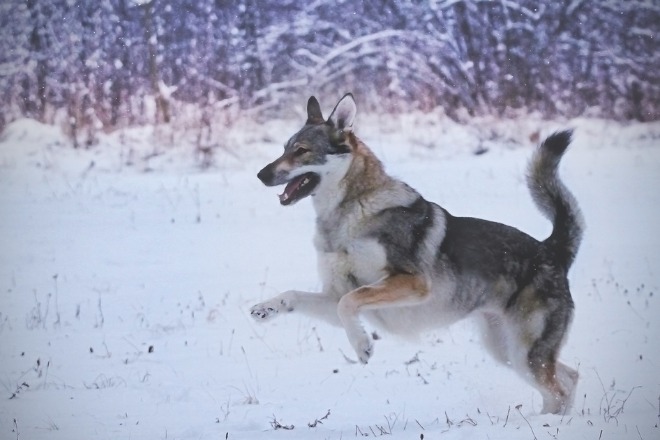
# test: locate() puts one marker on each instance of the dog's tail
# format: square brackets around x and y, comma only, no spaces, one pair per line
[555,200]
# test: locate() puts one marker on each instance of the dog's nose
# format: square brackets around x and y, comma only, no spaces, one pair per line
[265,175]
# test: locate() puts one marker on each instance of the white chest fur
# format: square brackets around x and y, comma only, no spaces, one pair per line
[348,264]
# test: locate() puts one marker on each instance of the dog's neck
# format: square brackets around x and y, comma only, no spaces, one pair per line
[354,180]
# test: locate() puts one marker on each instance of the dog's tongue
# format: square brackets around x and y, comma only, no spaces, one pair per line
[289,190]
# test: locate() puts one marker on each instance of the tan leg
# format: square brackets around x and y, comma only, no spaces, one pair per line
[394,291]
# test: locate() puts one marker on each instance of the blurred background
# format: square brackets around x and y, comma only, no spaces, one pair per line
[99,65]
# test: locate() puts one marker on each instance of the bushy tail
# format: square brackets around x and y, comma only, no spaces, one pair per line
[555,200]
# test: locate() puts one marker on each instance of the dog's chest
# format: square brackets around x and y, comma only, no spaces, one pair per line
[348,259]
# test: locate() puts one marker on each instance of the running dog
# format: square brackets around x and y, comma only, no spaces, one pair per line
[406,264]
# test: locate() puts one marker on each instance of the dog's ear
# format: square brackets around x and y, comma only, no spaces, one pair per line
[314,115]
[343,115]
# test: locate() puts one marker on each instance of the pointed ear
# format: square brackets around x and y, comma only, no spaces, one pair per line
[314,115]
[343,115]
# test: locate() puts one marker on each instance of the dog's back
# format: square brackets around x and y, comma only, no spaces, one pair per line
[508,257]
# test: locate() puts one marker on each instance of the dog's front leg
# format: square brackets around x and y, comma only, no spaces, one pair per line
[393,291]
[315,304]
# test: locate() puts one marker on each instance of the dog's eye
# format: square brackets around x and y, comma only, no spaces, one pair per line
[300,151]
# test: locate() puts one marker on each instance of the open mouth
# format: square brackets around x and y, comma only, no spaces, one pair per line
[299,188]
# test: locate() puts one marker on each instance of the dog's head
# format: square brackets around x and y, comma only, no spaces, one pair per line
[318,149]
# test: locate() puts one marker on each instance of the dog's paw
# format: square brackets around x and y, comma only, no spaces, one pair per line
[263,311]
[271,308]
[364,349]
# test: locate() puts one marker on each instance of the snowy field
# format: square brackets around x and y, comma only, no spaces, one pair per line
[127,274]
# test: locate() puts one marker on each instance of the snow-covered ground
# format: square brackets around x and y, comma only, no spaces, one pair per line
[126,282]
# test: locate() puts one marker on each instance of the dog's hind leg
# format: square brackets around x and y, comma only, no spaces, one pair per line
[393,291]
[555,381]
[314,304]
[493,336]
[540,323]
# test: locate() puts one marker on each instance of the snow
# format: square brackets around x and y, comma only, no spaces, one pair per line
[127,275]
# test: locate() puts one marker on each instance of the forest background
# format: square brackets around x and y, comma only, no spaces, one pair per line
[93,66]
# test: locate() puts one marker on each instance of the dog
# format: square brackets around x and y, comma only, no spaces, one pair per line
[406,264]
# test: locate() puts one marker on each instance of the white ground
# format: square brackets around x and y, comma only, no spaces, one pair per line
[125,293]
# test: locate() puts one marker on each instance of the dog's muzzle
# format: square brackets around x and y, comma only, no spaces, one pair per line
[297,187]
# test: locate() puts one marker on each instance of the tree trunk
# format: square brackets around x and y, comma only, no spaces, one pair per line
[162,104]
